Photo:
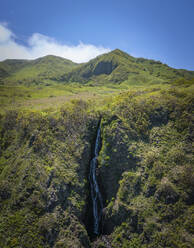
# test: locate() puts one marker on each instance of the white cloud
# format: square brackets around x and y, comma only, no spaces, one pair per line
[5,33]
[40,45]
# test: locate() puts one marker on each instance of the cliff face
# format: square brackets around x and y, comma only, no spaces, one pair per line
[145,173]
[43,180]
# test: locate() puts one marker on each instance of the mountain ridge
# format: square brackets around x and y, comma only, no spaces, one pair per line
[113,67]
[118,66]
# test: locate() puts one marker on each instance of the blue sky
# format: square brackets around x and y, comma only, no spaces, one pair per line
[81,29]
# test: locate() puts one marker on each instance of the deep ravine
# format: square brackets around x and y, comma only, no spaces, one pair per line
[97,201]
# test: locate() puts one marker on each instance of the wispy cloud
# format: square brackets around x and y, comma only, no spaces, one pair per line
[39,45]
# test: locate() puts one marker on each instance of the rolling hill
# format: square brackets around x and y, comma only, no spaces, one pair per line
[118,66]
[36,71]
[114,67]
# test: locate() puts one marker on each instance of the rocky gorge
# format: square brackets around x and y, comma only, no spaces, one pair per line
[145,174]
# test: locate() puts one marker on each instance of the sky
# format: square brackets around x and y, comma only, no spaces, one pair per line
[80,30]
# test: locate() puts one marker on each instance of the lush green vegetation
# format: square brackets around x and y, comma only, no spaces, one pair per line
[33,72]
[114,67]
[146,166]
[43,176]
[47,132]
[118,67]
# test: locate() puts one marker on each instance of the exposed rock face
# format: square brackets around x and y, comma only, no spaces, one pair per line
[104,67]
[99,68]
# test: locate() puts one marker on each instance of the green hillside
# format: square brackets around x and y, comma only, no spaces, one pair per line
[34,72]
[117,67]
[10,66]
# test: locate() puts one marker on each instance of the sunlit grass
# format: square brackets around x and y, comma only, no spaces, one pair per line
[52,97]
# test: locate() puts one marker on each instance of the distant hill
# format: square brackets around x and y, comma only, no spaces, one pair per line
[34,71]
[11,66]
[118,66]
[113,67]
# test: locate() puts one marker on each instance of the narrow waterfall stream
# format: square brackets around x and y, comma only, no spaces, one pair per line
[97,202]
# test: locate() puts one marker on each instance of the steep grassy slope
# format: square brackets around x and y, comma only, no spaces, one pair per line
[30,72]
[118,67]
[10,66]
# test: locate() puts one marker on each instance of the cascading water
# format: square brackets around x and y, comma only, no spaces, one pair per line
[97,202]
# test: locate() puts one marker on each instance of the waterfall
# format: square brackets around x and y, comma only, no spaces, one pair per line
[97,202]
